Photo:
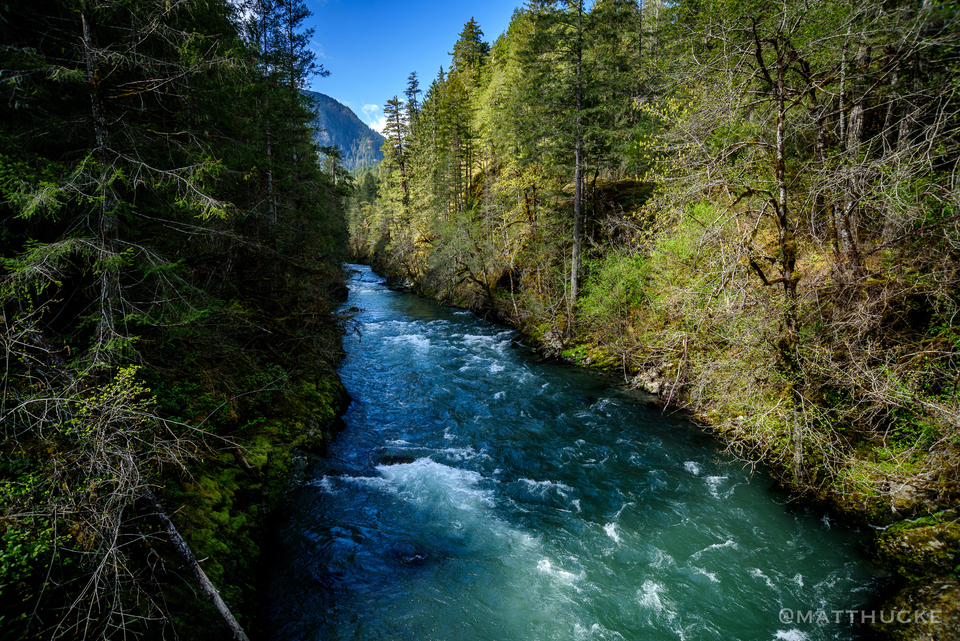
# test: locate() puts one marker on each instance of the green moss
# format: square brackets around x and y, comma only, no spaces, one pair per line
[576,354]
[257,453]
[928,546]
[221,505]
[603,358]
[593,356]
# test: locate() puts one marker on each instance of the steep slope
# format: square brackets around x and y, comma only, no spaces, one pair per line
[339,125]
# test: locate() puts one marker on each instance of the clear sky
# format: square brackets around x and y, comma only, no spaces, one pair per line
[371,46]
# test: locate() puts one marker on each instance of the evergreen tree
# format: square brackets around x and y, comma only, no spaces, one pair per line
[556,53]
[396,150]
[105,110]
[413,98]
[758,197]
[469,52]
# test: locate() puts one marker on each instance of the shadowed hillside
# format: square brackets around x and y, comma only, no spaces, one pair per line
[338,125]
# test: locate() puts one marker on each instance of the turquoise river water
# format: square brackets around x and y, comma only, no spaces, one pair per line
[478,493]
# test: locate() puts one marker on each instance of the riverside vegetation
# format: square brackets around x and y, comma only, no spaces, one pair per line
[171,262]
[749,208]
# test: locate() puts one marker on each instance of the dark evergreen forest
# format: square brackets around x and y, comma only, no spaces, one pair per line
[171,256]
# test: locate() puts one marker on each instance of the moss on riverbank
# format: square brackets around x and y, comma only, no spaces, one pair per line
[261,409]
[225,502]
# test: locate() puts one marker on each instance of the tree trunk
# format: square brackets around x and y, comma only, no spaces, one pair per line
[847,223]
[577,179]
[888,132]
[109,278]
[271,199]
[788,243]
[640,48]
[183,549]
[855,129]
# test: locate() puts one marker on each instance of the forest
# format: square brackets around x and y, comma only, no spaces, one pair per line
[748,208]
[171,252]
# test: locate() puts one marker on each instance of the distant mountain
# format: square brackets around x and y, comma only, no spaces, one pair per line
[338,125]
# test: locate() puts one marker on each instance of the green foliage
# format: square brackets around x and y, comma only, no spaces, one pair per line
[769,232]
[170,249]
[24,546]
[577,354]
[616,287]
[803,307]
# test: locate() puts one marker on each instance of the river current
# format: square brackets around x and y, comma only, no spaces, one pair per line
[478,493]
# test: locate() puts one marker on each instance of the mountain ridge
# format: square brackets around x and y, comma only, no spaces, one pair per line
[338,125]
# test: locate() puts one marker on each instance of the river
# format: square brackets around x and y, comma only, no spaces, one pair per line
[479,493]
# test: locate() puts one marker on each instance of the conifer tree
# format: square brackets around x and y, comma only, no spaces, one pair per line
[396,150]
[556,54]
[413,98]
[469,51]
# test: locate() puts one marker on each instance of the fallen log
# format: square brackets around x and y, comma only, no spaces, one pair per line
[191,561]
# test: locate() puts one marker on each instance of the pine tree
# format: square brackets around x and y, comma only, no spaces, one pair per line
[105,107]
[413,98]
[556,55]
[469,52]
[129,185]
[396,150]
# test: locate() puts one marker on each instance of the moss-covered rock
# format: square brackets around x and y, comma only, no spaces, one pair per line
[923,611]
[222,506]
[924,547]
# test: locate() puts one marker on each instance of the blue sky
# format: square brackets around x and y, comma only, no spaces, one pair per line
[371,46]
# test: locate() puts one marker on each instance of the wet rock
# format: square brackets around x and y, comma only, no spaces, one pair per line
[926,552]
[552,343]
[393,457]
[651,381]
[408,554]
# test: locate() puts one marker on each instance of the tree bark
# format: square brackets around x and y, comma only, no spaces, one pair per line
[107,224]
[847,222]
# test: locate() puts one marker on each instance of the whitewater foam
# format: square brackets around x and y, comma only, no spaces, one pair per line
[611,530]
[715,546]
[418,341]
[649,595]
